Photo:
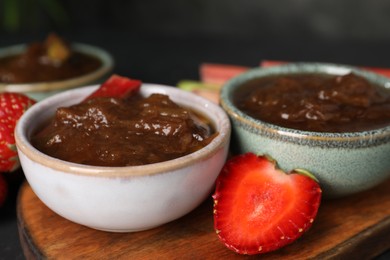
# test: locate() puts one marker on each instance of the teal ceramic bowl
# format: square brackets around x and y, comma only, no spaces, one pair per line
[344,163]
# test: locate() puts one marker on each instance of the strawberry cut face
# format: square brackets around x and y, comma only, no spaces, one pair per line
[258,208]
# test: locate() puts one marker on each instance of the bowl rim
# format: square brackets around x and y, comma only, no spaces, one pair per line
[102,55]
[219,118]
[301,67]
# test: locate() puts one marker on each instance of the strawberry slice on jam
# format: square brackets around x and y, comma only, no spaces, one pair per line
[258,208]
[118,87]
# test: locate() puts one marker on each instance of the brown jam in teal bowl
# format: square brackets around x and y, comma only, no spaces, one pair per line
[316,102]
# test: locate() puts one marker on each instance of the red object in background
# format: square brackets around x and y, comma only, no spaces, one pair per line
[3,189]
[383,72]
[219,73]
[270,63]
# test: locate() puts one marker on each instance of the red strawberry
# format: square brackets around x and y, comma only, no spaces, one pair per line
[117,86]
[258,208]
[3,190]
[12,106]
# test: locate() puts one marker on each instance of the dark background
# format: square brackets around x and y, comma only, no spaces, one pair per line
[332,20]
[166,41]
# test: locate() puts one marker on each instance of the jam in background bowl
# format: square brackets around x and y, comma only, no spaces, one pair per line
[41,90]
[123,199]
[344,163]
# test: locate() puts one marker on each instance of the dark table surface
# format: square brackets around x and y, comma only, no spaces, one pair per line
[169,59]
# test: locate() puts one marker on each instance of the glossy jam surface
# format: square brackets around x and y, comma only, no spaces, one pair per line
[116,132]
[315,102]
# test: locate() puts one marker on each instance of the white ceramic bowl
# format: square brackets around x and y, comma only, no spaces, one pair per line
[41,90]
[123,199]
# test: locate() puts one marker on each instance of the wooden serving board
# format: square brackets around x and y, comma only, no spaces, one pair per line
[357,227]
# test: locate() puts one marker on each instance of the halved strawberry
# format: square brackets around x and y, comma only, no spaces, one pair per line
[258,208]
[12,106]
[117,86]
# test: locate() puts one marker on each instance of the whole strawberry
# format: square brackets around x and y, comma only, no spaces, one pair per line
[12,107]
[258,208]
[3,189]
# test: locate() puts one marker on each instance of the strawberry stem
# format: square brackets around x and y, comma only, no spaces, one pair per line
[306,173]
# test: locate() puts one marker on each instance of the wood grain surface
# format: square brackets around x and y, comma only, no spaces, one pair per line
[356,227]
